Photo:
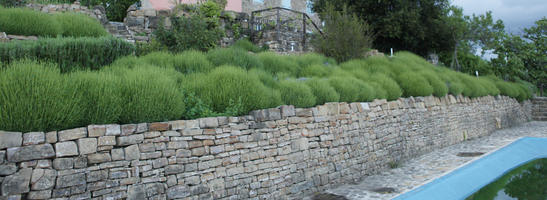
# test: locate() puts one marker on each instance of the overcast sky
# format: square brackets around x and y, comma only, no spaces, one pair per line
[516,14]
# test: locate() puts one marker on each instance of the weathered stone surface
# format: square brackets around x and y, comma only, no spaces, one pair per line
[209,122]
[51,137]
[98,158]
[113,129]
[287,111]
[128,129]
[174,169]
[87,145]
[10,139]
[129,140]
[2,156]
[64,149]
[72,134]
[17,183]
[158,126]
[132,152]
[43,179]
[80,162]
[96,130]
[33,152]
[7,169]
[117,154]
[107,141]
[34,138]
[136,192]
[44,194]
[97,175]
[70,180]
[63,163]
[178,191]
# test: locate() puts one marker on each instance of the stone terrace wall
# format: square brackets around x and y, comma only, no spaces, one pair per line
[278,153]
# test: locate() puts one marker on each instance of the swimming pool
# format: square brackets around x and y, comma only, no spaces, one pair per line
[465,181]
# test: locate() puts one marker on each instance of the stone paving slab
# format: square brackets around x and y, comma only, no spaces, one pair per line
[420,170]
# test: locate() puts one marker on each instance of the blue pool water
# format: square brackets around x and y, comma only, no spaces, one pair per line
[465,181]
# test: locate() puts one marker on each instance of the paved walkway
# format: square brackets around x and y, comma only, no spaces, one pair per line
[425,168]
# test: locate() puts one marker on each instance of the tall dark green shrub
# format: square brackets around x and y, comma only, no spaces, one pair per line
[69,53]
[345,36]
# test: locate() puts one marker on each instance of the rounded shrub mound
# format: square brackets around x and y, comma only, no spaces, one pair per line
[507,88]
[36,97]
[274,63]
[229,83]
[414,85]
[265,77]
[315,70]
[246,45]
[346,87]
[296,93]
[379,92]
[159,58]
[439,87]
[103,101]
[473,87]
[191,61]
[378,64]
[489,85]
[22,21]
[150,94]
[79,25]
[233,56]
[390,86]
[366,92]
[312,59]
[322,91]
[454,84]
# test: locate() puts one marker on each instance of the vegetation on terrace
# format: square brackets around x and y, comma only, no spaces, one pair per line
[163,86]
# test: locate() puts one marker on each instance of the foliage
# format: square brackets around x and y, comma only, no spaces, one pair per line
[345,36]
[347,88]
[439,88]
[296,93]
[322,91]
[186,33]
[312,58]
[233,56]
[79,25]
[414,85]
[69,53]
[116,10]
[274,63]
[315,70]
[247,45]
[22,21]
[392,89]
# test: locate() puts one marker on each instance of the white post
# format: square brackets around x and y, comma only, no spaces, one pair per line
[391,55]
[477,73]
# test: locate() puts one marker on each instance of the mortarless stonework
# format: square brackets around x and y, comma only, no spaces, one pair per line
[278,153]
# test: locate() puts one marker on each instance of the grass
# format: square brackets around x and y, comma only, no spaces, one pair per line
[22,21]
[77,90]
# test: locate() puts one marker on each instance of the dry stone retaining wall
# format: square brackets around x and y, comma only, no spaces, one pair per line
[278,153]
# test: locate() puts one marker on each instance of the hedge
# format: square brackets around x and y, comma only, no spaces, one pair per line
[69,53]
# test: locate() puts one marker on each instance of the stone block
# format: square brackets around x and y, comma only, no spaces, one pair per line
[160,162]
[71,180]
[10,139]
[98,158]
[51,137]
[174,169]
[17,183]
[87,145]
[72,134]
[107,141]
[266,114]
[2,156]
[63,163]
[177,145]
[178,191]
[129,140]
[192,132]
[43,179]
[8,169]
[117,154]
[304,112]
[97,175]
[132,152]
[64,149]
[80,162]
[158,126]
[96,130]
[34,138]
[32,152]
[43,194]
[113,129]
[209,122]
[287,111]
[300,144]
[129,129]
[142,127]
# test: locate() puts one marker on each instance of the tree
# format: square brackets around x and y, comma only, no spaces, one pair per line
[413,25]
[536,64]
[344,35]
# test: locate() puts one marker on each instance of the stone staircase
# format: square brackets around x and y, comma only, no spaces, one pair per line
[539,111]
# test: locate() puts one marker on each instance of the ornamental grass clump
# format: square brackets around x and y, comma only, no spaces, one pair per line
[322,91]
[312,59]
[414,85]
[439,87]
[315,70]
[233,56]
[79,25]
[346,87]
[392,89]
[296,93]
[22,21]
[275,63]
[191,61]
[36,97]
[247,45]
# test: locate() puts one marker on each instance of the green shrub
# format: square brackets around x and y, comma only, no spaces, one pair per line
[159,58]
[345,36]
[246,45]
[452,81]
[413,61]
[390,86]
[296,93]
[346,87]
[228,83]
[379,91]
[378,64]
[235,57]
[307,59]
[366,92]
[489,85]
[21,21]
[192,61]
[69,53]
[36,97]
[414,85]
[322,91]
[439,87]
[315,71]
[194,32]
[473,87]
[79,25]
[507,88]
[275,63]
[150,94]
[103,101]
[524,92]
[269,80]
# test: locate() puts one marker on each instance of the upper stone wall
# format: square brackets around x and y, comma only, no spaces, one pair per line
[277,153]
